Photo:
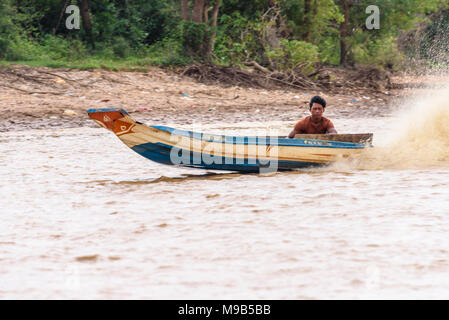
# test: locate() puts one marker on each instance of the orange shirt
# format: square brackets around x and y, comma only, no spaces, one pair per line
[305,125]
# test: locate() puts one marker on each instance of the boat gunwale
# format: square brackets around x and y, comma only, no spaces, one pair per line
[256,140]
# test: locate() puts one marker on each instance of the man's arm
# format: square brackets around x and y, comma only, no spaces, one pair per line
[292,134]
[296,129]
[330,127]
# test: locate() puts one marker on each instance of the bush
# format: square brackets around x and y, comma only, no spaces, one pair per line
[55,47]
[169,51]
[8,31]
[239,39]
[293,54]
[329,50]
[380,52]
[121,47]
[77,50]
[22,49]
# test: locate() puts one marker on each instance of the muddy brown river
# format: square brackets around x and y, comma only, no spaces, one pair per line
[84,217]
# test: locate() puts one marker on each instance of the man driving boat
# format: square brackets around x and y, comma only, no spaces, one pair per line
[315,123]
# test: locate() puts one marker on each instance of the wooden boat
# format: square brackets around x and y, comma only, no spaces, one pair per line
[219,152]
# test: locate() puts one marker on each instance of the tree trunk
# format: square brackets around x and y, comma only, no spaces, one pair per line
[344,33]
[206,12]
[203,46]
[87,23]
[85,14]
[64,4]
[307,20]
[272,6]
[198,9]
[210,45]
[185,15]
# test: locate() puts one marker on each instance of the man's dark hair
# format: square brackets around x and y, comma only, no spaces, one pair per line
[319,100]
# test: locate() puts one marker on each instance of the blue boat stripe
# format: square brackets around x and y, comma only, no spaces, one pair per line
[107,110]
[261,140]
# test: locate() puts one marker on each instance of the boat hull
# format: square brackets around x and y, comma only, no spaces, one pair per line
[171,146]
[163,153]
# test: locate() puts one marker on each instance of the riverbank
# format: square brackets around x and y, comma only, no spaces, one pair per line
[41,97]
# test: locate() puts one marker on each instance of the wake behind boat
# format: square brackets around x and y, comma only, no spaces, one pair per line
[219,152]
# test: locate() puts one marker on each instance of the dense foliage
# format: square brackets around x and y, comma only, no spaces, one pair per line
[277,34]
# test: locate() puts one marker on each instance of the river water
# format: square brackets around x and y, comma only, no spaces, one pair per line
[84,217]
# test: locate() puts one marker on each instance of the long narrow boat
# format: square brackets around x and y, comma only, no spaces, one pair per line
[219,152]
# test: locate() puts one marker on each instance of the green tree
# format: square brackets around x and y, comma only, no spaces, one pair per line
[199,26]
[356,41]
[8,30]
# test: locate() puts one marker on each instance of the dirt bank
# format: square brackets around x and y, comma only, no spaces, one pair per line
[34,98]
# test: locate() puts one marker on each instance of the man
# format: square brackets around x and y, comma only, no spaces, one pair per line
[315,123]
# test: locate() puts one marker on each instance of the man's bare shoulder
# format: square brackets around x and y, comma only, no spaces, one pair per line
[304,119]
